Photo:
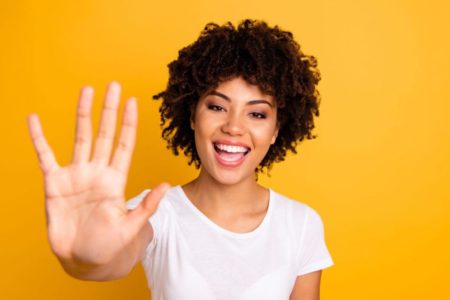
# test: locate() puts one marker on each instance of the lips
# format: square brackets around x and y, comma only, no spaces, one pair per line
[230,154]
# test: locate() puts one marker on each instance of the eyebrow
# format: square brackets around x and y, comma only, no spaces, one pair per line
[251,102]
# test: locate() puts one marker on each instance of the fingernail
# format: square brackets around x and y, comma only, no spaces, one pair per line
[114,85]
[88,90]
[166,186]
[132,103]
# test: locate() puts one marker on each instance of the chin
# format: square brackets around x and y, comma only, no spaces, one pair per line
[231,177]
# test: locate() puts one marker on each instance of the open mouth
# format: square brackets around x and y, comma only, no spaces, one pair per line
[231,154]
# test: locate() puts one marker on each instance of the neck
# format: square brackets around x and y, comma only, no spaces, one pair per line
[215,198]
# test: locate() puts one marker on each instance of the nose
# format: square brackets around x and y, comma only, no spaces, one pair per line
[234,125]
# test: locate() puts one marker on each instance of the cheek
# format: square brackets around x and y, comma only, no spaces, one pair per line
[202,125]
[200,145]
[203,130]
[264,135]
[200,136]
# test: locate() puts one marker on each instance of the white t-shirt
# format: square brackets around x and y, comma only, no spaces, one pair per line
[191,257]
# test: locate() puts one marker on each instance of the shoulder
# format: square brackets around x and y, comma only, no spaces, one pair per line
[300,213]
[290,205]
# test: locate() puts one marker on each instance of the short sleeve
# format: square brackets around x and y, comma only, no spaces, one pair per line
[154,219]
[313,253]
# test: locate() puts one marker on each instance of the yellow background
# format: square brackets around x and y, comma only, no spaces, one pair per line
[378,173]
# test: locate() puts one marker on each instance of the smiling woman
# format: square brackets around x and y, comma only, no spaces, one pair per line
[234,126]
[237,100]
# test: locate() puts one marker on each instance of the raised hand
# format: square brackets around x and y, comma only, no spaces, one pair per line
[87,219]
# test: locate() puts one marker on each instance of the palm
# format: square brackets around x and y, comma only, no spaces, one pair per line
[74,180]
[85,205]
[86,212]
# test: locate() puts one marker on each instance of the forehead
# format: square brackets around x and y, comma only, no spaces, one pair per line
[238,89]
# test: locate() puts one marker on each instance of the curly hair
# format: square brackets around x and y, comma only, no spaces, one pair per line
[265,56]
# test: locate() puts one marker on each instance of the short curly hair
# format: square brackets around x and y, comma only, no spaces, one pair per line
[265,56]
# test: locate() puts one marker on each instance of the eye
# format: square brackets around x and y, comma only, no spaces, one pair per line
[215,107]
[257,115]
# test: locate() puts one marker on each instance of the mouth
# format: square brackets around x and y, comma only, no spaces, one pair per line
[230,155]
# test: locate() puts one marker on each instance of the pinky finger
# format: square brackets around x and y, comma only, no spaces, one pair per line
[45,154]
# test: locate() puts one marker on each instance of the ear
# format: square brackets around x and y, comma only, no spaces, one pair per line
[191,117]
[275,135]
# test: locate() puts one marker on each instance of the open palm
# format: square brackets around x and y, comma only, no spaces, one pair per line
[87,218]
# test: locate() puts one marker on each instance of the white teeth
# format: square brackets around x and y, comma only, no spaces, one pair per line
[232,149]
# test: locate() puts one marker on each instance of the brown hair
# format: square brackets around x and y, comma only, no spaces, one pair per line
[265,56]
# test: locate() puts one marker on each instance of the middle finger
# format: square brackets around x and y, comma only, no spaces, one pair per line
[105,137]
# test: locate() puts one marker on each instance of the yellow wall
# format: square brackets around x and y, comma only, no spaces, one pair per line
[378,173]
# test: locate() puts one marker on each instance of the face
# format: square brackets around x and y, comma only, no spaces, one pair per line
[234,126]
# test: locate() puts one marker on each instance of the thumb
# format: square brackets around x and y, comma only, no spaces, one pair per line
[151,200]
[139,216]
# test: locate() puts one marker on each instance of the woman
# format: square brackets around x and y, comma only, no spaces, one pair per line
[237,100]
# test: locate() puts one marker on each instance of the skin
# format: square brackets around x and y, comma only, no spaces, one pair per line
[230,114]
[307,287]
[89,228]
[231,197]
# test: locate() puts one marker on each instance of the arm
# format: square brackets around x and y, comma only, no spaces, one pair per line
[89,228]
[307,287]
